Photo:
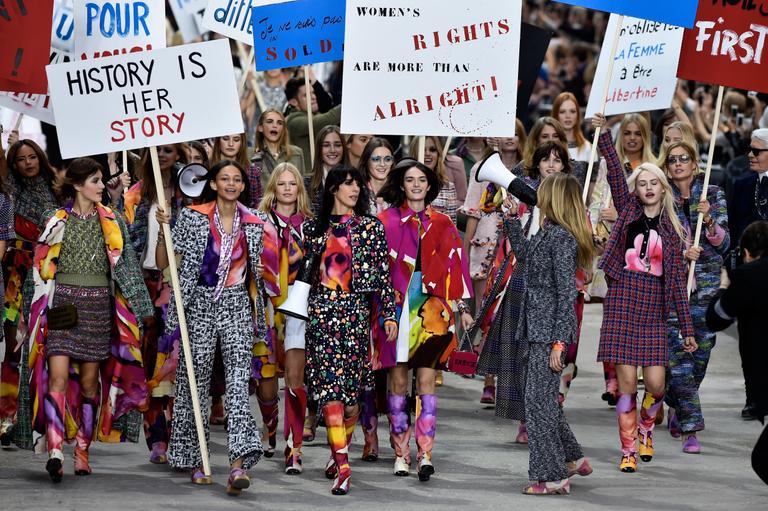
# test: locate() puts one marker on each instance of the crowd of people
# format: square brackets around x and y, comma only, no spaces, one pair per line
[403,258]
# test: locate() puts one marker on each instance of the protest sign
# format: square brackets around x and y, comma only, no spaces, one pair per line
[727,46]
[25,29]
[188,15]
[110,27]
[534,42]
[232,18]
[145,99]
[37,106]
[62,35]
[674,12]
[431,68]
[298,33]
[645,67]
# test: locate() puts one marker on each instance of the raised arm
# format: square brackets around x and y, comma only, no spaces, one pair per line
[616,178]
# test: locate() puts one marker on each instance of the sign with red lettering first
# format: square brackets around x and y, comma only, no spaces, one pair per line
[431,67]
[727,45]
[147,98]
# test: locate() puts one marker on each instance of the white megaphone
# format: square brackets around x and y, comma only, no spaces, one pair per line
[295,305]
[192,179]
[492,169]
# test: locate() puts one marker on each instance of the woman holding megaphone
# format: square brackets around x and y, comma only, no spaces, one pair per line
[220,244]
[353,268]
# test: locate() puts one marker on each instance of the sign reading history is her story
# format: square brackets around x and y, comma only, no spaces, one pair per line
[147,98]
[298,33]
[728,45]
[427,67]
[645,67]
[114,27]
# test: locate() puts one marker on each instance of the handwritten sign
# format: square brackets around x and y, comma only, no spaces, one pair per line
[297,33]
[114,27]
[37,106]
[728,46]
[189,16]
[420,67]
[673,12]
[645,70]
[232,18]
[62,35]
[145,98]
[25,27]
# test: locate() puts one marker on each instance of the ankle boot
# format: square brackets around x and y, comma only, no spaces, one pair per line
[426,422]
[87,421]
[369,421]
[269,412]
[337,439]
[55,415]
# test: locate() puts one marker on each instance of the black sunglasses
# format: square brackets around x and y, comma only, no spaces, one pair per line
[755,151]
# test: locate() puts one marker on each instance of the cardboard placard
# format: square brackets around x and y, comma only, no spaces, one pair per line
[728,46]
[423,67]
[298,33]
[188,15]
[674,12]
[147,98]
[645,68]
[232,18]
[104,28]
[25,44]
[37,106]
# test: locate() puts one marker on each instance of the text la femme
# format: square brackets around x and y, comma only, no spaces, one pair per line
[462,95]
[134,75]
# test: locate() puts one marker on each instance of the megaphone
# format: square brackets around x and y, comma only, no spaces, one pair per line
[295,305]
[492,169]
[191,179]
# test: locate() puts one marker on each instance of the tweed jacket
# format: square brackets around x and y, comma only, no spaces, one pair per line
[370,261]
[549,268]
[190,239]
[630,209]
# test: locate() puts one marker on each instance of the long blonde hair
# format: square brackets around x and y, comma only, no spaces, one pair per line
[667,201]
[559,198]
[689,137]
[645,132]
[440,165]
[270,191]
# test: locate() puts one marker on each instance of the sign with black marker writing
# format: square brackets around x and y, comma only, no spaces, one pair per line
[426,67]
[644,71]
[232,18]
[114,27]
[147,98]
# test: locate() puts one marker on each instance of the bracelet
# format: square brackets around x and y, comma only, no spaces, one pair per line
[709,223]
[462,307]
[558,346]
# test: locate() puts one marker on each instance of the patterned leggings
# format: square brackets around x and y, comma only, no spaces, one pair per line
[230,320]
[551,442]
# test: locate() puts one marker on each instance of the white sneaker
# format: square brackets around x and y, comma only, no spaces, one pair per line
[426,469]
[402,469]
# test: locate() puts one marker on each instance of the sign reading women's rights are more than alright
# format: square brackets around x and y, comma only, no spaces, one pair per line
[431,67]
[645,68]
[147,98]
[114,27]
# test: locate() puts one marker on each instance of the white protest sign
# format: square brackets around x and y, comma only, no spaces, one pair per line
[645,69]
[232,18]
[188,15]
[113,27]
[426,67]
[63,27]
[37,106]
[142,99]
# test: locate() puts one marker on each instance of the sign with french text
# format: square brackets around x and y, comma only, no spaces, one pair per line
[147,98]
[25,44]
[104,28]
[298,33]
[644,70]
[232,18]
[188,15]
[728,45]
[427,67]
[673,12]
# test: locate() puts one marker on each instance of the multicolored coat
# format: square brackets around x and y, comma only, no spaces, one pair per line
[432,236]
[123,381]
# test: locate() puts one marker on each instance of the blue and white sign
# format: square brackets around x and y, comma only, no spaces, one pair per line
[232,18]
[63,29]
[674,12]
[189,16]
[105,28]
[298,33]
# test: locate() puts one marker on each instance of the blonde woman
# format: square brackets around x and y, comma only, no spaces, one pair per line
[643,260]
[633,145]
[548,324]
[678,132]
[286,205]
